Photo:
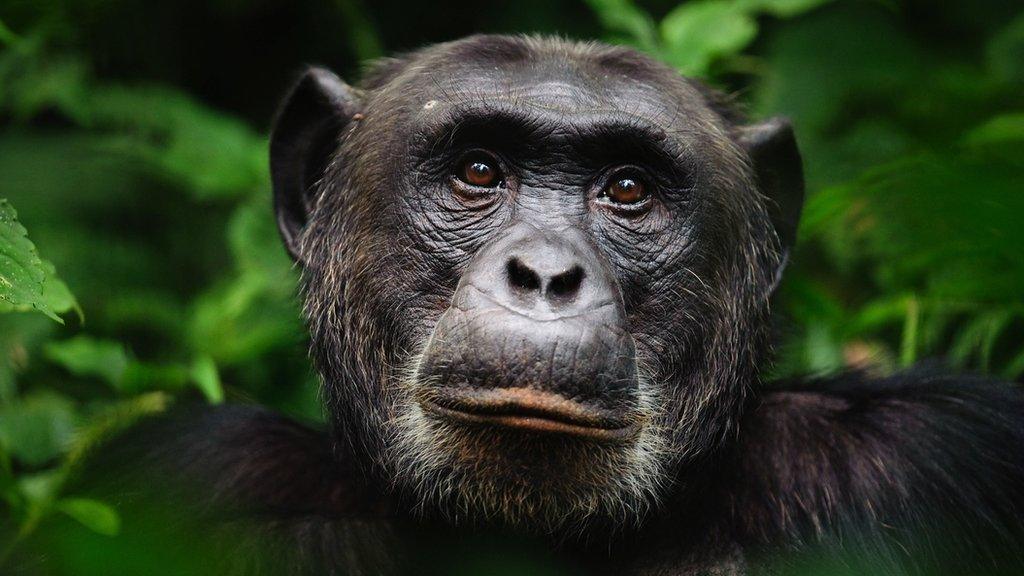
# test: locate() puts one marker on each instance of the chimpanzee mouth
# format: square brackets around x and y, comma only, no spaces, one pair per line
[530,411]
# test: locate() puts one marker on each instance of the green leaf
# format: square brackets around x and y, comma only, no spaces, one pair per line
[784,8]
[204,374]
[211,154]
[253,311]
[824,352]
[92,514]
[87,356]
[37,428]
[140,376]
[22,274]
[256,245]
[624,17]
[1001,129]
[56,296]
[978,337]
[42,487]
[696,33]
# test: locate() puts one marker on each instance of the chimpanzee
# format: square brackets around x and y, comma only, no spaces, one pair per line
[537,277]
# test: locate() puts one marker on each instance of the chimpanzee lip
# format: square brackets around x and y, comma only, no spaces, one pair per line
[528,410]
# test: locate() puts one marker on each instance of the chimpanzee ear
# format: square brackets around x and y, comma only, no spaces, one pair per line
[305,135]
[779,172]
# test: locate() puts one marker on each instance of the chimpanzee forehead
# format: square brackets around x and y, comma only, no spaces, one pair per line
[565,82]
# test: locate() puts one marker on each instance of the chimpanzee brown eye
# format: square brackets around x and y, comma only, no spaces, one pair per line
[480,170]
[626,189]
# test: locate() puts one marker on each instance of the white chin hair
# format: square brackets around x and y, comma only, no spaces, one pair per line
[537,482]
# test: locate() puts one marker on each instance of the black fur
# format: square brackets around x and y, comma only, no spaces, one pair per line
[917,473]
[920,473]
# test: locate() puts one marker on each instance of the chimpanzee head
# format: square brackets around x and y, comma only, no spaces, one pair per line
[536,272]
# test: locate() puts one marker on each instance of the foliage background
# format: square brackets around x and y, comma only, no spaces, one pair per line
[133,149]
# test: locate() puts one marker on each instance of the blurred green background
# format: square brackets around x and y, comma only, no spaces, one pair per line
[133,150]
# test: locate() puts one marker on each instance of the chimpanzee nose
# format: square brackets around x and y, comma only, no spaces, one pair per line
[537,309]
[546,276]
[543,273]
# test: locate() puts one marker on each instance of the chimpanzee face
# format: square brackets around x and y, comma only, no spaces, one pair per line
[536,273]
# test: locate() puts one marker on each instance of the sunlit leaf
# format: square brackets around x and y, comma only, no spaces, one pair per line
[624,17]
[695,33]
[206,378]
[22,274]
[87,356]
[1001,129]
[92,514]
[784,8]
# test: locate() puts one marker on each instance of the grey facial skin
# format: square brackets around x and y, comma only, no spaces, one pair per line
[537,314]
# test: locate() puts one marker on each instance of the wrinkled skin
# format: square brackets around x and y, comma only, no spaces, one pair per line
[413,309]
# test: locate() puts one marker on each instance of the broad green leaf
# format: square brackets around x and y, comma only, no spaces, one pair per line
[22,274]
[56,295]
[783,8]
[696,33]
[244,318]
[37,428]
[92,514]
[87,356]
[623,16]
[211,154]
[1003,128]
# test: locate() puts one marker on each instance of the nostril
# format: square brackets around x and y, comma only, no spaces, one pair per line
[566,284]
[521,276]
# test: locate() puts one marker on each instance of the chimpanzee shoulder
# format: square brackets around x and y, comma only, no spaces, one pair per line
[922,469]
[267,493]
[233,458]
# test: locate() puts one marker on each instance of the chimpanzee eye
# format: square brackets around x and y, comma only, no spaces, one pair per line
[626,188]
[481,170]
